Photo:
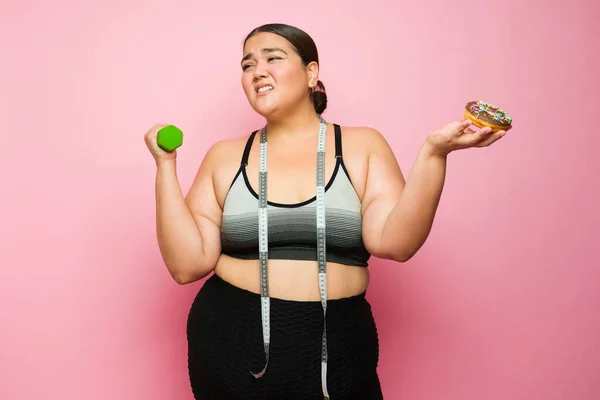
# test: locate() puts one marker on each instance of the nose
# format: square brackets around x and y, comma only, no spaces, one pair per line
[260,71]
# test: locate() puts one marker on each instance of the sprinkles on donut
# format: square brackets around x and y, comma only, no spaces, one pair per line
[484,114]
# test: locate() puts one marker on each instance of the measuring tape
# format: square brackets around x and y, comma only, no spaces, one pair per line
[264,248]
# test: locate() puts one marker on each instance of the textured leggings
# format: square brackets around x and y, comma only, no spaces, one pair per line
[225,344]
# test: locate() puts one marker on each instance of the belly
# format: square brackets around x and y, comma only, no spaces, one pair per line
[294,280]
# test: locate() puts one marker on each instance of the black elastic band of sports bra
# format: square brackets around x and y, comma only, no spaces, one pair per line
[247,148]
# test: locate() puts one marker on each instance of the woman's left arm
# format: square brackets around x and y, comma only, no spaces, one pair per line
[398,214]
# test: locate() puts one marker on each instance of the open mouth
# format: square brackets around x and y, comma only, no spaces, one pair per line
[264,89]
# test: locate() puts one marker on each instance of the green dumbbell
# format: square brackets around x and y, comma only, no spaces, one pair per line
[169,138]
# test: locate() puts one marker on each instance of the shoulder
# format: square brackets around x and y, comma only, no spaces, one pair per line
[364,139]
[369,148]
[222,162]
[363,135]
[360,146]
[227,148]
[225,154]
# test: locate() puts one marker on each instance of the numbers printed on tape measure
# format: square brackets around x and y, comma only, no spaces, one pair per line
[321,245]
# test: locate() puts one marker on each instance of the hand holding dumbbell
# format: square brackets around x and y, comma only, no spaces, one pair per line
[162,140]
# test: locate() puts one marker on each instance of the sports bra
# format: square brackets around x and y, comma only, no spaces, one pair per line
[292,227]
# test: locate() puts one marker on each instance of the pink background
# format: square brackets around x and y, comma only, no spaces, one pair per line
[501,302]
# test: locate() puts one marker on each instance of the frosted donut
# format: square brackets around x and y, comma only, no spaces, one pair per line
[483,115]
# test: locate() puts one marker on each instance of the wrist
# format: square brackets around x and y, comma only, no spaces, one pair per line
[431,150]
[166,164]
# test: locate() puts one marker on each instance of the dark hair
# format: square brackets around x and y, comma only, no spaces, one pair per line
[306,48]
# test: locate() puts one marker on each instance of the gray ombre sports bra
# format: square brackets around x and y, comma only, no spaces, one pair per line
[291,227]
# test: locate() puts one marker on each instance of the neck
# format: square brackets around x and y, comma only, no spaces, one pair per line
[302,120]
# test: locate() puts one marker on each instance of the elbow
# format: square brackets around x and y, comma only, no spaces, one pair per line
[187,278]
[403,257]
[182,279]
[184,276]
[398,255]
[403,254]
[400,247]
[407,251]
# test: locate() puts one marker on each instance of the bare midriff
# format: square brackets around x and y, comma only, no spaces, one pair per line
[294,280]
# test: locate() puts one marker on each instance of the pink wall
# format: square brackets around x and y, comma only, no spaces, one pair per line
[502,301]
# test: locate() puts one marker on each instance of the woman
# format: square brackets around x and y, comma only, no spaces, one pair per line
[256,329]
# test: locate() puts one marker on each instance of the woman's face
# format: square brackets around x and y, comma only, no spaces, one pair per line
[273,76]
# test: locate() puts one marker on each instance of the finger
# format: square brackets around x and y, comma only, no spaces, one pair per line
[479,135]
[461,127]
[482,133]
[488,142]
[470,130]
[492,138]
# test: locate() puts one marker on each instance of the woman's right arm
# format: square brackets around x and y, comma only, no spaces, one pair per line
[188,229]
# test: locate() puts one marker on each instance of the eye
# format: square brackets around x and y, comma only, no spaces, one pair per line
[245,67]
[274,58]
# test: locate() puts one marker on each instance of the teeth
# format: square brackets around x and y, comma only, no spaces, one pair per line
[265,88]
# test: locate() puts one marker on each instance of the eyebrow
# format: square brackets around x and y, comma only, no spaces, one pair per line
[265,50]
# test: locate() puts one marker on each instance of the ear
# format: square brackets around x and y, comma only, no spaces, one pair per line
[313,73]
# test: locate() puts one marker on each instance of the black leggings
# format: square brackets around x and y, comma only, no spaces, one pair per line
[225,344]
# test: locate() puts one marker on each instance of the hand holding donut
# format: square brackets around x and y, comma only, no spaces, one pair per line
[493,123]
